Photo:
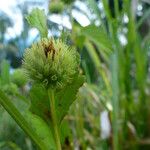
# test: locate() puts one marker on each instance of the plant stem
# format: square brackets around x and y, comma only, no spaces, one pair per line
[54,118]
[115,100]
[17,116]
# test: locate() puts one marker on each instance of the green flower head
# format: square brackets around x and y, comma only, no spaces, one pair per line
[52,63]
[56,7]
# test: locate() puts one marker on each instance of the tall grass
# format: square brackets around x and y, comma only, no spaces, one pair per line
[125,75]
[117,76]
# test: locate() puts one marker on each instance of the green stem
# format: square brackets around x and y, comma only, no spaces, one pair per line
[116,8]
[17,116]
[54,118]
[115,100]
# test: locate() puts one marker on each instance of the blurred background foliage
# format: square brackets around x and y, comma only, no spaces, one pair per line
[112,110]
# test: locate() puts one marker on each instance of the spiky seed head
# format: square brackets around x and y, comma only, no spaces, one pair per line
[56,7]
[52,63]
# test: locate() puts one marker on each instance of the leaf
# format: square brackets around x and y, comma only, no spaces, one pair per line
[80,41]
[66,135]
[115,101]
[20,120]
[63,99]
[99,37]
[98,64]
[95,9]
[67,96]
[42,130]
[145,16]
[37,19]
[10,144]
[39,102]
[5,76]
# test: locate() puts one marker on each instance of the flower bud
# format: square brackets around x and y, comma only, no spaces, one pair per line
[56,7]
[52,63]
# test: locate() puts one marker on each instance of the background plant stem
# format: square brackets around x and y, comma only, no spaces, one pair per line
[54,118]
[115,103]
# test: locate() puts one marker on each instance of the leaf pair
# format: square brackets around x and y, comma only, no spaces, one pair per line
[40,104]
[63,99]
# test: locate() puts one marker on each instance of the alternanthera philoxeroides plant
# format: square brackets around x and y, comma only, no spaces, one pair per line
[54,65]
[53,69]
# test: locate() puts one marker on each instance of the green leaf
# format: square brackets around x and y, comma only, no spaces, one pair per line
[145,16]
[39,102]
[66,135]
[99,37]
[67,96]
[42,130]
[95,9]
[63,99]
[37,19]
[98,64]
[5,77]
[20,120]
[115,101]
[80,39]
[10,144]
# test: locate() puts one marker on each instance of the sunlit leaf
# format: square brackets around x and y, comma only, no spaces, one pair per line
[99,37]
[42,130]
[63,99]
[37,19]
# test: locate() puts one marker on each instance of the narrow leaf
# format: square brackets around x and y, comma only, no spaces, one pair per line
[115,100]
[17,116]
[5,77]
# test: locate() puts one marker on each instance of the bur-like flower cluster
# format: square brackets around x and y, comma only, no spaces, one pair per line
[56,7]
[52,63]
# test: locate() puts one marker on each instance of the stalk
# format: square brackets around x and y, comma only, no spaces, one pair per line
[54,118]
[115,100]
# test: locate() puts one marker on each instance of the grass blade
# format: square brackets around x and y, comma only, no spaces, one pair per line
[115,100]
[12,110]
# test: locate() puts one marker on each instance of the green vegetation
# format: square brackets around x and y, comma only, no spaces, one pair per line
[74,84]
